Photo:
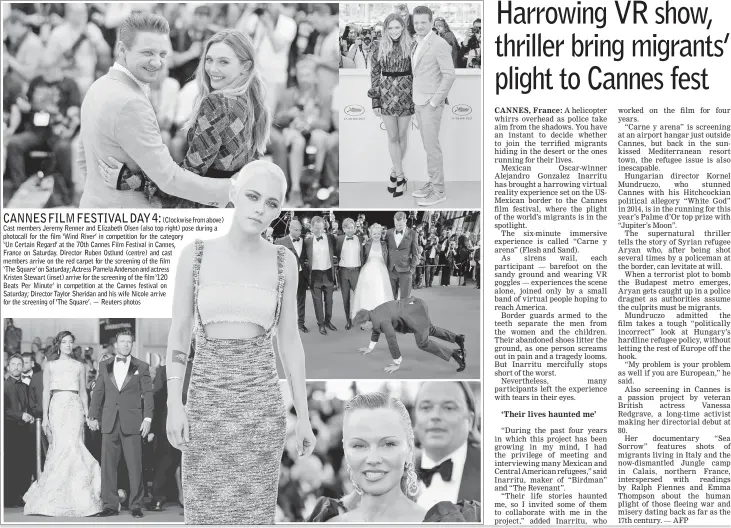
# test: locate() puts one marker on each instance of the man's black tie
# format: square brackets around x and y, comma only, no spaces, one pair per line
[399,232]
[319,238]
[121,359]
[444,469]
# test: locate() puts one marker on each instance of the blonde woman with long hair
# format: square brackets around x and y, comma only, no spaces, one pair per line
[230,123]
[392,85]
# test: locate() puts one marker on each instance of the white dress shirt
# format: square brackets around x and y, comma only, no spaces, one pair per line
[439,490]
[398,237]
[143,86]
[297,247]
[420,48]
[350,254]
[120,370]
[321,254]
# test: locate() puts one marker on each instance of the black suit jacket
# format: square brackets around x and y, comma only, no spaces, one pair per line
[402,316]
[340,240]
[132,402]
[35,395]
[160,396]
[301,258]
[404,256]
[15,395]
[470,486]
[308,256]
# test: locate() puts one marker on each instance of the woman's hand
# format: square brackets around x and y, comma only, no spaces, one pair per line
[305,437]
[377,111]
[110,171]
[177,427]
[45,426]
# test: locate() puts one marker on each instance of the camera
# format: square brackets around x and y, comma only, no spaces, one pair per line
[259,11]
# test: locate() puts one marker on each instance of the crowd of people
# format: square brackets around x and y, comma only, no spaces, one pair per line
[359,40]
[24,412]
[303,481]
[52,54]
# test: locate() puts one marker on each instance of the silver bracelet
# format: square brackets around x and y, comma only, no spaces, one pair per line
[174,377]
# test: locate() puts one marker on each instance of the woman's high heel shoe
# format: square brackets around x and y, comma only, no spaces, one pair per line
[402,185]
[392,188]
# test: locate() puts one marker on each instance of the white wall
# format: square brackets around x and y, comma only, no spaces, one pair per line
[363,144]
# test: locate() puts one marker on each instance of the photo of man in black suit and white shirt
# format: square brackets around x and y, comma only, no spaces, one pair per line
[319,252]
[295,243]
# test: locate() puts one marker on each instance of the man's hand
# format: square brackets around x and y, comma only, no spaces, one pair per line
[393,367]
[150,437]
[377,111]
[145,428]
[27,418]
[93,424]
[365,350]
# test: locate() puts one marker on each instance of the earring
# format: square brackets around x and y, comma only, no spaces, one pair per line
[412,483]
[358,490]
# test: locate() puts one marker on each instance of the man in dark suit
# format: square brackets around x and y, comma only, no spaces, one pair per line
[403,256]
[123,381]
[320,251]
[477,267]
[18,435]
[295,243]
[168,458]
[349,256]
[35,401]
[410,316]
[444,423]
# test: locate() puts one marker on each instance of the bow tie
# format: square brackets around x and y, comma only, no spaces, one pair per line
[296,239]
[399,232]
[348,238]
[444,469]
[318,238]
[121,360]
[26,376]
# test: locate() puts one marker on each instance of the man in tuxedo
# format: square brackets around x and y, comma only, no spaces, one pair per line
[403,256]
[35,401]
[123,381]
[319,250]
[410,316]
[294,242]
[168,458]
[18,434]
[349,255]
[444,422]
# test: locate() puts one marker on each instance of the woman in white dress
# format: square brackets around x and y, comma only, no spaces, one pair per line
[70,484]
[374,286]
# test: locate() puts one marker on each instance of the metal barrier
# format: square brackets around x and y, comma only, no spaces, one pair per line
[39,433]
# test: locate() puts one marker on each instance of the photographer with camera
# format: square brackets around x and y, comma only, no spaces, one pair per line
[362,49]
[187,44]
[50,119]
[82,46]
[22,48]
[272,33]
[303,117]
[472,48]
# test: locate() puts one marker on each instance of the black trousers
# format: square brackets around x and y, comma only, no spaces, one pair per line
[168,460]
[301,298]
[348,283]
[322,292]
[400,283]
[435,347]
[431,270]
[113,445]
[19,462]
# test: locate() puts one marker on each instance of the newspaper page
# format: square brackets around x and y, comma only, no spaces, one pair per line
[241,263]
[609,200]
